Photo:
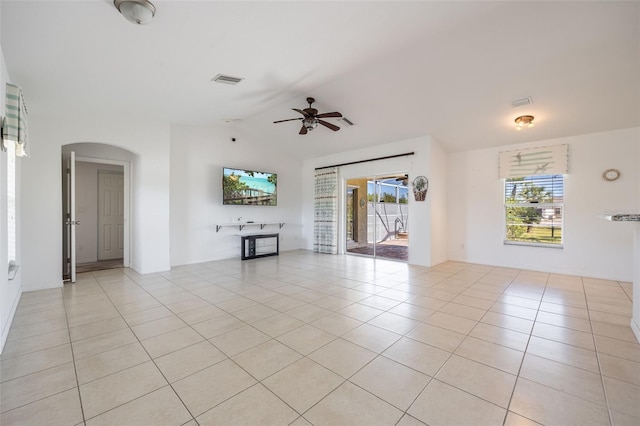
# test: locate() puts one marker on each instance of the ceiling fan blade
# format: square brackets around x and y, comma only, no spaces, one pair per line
[300,111]
[329,125]
[329,115]
[289,119]
[303,131]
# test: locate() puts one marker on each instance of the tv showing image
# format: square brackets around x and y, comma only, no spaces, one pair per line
[249,188]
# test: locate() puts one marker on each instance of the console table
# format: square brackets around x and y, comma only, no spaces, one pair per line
[241,225]
[260,245]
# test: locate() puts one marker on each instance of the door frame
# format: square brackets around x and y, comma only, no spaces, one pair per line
[69,217]
[342,213]
[354,201]
[126,166]
[342,216]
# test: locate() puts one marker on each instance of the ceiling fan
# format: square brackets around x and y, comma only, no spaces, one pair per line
[403,179]
[310,118]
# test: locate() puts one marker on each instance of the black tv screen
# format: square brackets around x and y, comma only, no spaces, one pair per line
[249,187]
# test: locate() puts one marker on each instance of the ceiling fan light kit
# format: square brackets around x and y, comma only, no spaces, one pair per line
[310,118]
[310,123]
[139,12]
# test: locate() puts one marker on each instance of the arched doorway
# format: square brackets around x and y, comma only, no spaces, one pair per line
[96,207]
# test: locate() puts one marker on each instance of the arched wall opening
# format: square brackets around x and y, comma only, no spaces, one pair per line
[103,207]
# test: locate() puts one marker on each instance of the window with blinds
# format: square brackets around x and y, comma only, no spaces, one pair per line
[534,207]
[11,202]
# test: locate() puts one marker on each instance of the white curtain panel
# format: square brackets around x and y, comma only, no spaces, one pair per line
[546,160]
[325,231]
[14,126]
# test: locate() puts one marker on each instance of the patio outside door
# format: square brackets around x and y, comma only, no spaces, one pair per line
[377,217]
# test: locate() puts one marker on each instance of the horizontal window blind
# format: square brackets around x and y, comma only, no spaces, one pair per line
[11,202]
[534,210]
[534,189]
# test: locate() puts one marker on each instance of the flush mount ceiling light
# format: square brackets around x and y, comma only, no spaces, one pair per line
[139,12]
[524,120]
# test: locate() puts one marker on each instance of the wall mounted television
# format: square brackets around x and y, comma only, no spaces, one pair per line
[249,187]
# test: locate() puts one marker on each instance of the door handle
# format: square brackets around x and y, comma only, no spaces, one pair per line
[73,222]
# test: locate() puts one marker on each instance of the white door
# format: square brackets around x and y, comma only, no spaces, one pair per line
[110,215]
[70,222]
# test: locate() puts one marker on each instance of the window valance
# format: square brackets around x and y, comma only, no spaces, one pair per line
[14,125]
[546,160]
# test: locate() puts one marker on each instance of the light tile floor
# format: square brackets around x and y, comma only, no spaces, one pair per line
[325,340]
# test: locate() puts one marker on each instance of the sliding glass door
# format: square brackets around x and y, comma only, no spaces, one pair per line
[377,216]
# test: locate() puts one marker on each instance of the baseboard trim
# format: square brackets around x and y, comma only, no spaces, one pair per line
[7,326]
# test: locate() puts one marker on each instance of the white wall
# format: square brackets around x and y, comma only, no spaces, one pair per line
[635,321]
[424,248]
[198,154]
[10,291]
[42,192]
[87,208]
[438,193]
[592,246]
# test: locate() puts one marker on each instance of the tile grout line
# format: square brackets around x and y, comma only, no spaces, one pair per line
[73,356]
[525,351]
[45,369]
[149,355]
[339,278]
[462,341]
[595,345]
[208,341]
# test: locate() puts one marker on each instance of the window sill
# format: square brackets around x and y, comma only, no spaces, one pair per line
[522,243]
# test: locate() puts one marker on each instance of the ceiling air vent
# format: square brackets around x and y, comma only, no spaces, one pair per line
[346,120]
[226,79]
[522,102]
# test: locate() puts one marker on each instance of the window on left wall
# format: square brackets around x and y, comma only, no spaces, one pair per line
[11,202]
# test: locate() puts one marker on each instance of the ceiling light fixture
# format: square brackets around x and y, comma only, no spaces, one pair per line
[139,12]
[524,120]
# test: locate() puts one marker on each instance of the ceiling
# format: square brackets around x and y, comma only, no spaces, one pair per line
[396,69]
